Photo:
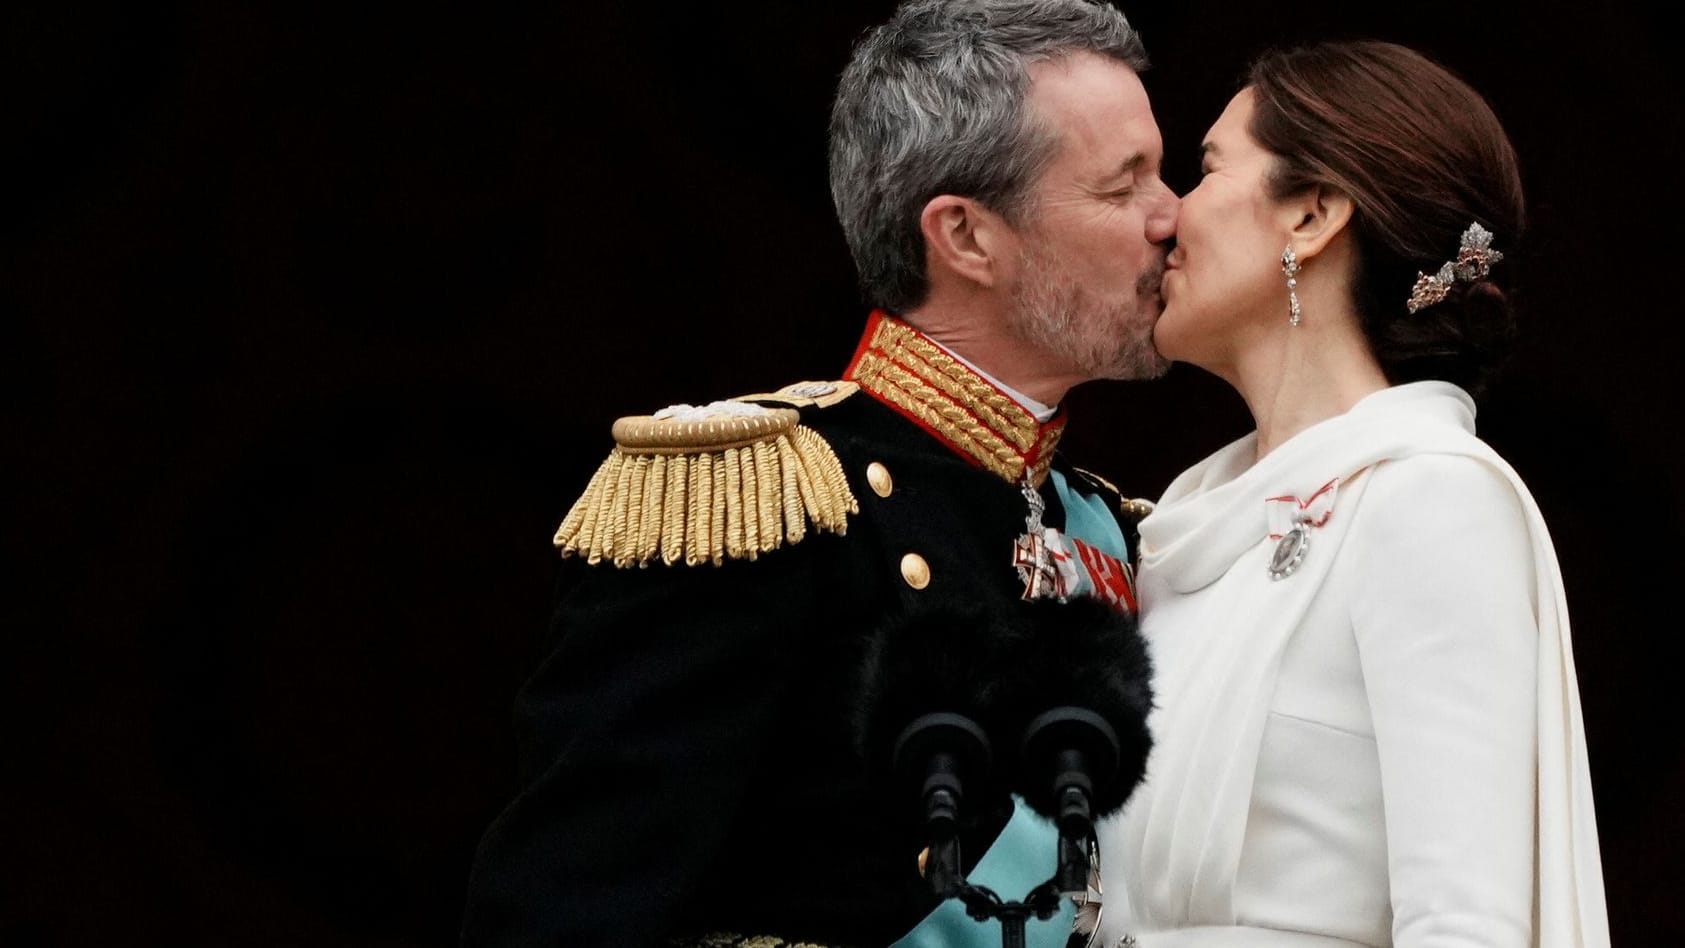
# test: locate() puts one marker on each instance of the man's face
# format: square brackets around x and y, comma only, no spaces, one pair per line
[1087,291]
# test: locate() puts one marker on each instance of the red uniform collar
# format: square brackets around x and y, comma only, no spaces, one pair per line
[910,373]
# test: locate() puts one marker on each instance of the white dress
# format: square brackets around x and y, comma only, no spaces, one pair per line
[1378,747]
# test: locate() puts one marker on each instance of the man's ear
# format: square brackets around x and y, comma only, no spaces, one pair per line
[1319,215]
[965,238]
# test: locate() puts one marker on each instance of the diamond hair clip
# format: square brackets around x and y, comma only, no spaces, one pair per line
[1475,257]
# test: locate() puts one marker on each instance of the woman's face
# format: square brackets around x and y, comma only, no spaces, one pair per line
[1223,285]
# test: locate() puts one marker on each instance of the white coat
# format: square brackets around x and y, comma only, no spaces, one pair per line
[1379,747]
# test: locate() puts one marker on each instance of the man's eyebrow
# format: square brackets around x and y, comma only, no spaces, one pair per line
[1127,167]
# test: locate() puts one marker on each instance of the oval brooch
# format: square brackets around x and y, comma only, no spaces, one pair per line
[1290,552]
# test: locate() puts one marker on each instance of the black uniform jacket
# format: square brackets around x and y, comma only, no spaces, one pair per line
[688,747]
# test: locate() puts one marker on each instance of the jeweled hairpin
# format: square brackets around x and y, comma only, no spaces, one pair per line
[1475,257]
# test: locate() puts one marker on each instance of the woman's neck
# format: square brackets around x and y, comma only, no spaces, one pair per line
[1309,373]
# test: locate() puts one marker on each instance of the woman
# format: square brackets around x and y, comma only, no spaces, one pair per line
[1368,729]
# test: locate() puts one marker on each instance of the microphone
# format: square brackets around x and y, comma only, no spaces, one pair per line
[1080,693]
[929,715]
[1044,699]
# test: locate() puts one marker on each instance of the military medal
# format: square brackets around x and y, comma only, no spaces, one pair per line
[1290,522]
[1290,552]
[1031,554]
[1056,566]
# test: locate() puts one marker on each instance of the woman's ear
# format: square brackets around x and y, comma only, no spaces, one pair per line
[965,238]
[1320,214]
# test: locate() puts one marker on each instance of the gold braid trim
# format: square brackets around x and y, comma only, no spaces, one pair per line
[707,491]
[931,406]
[961,383]
[920,379]
[1040,472]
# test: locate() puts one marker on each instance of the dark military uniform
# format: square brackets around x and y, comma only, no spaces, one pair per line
[688,746]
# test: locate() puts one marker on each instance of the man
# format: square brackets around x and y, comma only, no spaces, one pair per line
[692,747]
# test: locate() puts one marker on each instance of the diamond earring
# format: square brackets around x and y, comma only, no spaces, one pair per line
[1290,266]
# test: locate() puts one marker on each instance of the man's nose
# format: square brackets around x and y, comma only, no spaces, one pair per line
[1161,222]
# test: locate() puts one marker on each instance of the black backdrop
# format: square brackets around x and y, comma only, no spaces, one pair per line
[315,320]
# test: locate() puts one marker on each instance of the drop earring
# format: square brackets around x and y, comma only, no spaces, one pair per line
[1290,266]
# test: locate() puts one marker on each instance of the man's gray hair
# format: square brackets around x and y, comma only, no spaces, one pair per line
[933,103]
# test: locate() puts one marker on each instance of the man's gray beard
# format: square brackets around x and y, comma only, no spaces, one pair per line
[1051,312]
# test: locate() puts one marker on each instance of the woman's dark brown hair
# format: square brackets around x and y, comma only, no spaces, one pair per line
[1422,156]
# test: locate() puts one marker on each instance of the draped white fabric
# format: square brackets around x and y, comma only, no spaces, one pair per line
[1372,781]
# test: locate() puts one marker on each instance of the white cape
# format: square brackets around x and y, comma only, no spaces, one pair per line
[1190,829]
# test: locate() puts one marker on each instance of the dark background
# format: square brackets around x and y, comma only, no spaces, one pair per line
[315,320]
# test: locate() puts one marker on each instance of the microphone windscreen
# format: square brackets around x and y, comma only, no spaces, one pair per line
[954,660]
[1082,654]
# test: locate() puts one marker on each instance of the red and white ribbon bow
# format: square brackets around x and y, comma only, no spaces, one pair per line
[1286,512]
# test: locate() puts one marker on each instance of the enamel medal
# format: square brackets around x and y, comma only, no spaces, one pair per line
[1031,554]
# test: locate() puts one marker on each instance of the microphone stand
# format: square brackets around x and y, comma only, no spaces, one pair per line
[1065,746]
[982,904]
[943,748]
[1041,902]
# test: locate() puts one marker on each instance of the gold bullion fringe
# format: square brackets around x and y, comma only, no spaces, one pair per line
[709,506]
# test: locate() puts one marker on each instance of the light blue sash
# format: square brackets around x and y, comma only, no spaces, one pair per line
[1089,519]
[1025,855]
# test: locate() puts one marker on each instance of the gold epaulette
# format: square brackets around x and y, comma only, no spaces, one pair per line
[720,484]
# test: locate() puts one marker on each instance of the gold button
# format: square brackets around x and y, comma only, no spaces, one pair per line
[915,571]
[878,476]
